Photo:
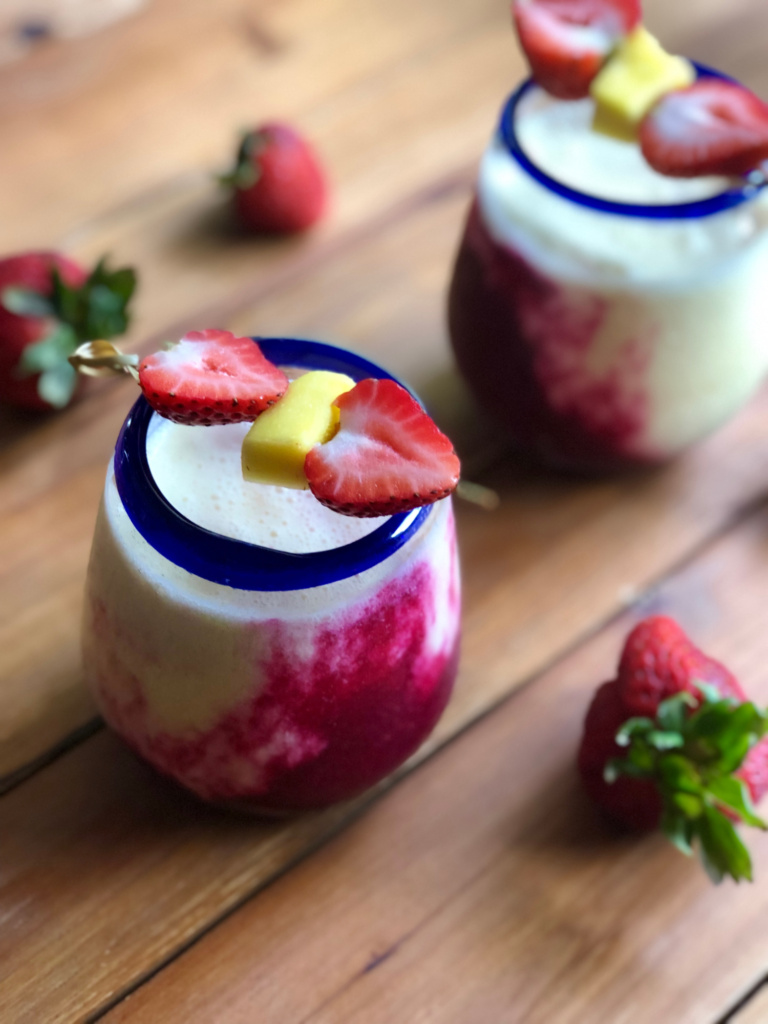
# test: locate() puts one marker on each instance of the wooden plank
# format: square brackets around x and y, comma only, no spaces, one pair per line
[190,259]
[138,111]
[755,1011]
[485,887]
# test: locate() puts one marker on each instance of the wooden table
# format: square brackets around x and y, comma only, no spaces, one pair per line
[479,887]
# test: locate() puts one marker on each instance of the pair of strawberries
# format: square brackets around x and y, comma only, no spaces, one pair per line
[673,742]
[712,127]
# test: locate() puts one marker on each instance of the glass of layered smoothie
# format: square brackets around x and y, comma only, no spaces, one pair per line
[259,648]
[604,314]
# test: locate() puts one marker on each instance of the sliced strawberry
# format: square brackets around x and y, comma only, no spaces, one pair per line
[712,127]
[387,456]
[211,377]
[567,41]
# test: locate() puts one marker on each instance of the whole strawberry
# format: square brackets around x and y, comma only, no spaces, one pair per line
[673,742]
[49,305]
[278,184]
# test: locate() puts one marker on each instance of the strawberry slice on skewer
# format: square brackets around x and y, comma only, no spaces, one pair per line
[388,455]
[567,41]
[211,377]
[712,127]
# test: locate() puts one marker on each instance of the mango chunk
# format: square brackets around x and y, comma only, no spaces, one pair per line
[275,447]
[638,73]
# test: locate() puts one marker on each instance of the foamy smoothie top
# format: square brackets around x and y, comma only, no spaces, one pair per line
[582,244]
[198,471]
[289,452]
[558,137]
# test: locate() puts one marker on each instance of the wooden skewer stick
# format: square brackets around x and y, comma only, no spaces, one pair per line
[103,359]
[476,494]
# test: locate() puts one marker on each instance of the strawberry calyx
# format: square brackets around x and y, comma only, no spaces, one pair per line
[246,171]
[691,751]
[96,309]
[278,185]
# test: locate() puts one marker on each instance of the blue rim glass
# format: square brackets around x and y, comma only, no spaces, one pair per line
[663,211]
[236,563]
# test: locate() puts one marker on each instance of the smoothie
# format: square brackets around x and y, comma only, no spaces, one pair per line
[258,648]
[604,314]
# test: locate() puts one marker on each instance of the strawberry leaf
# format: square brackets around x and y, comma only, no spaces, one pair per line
[97,309]
[722,851]
[690,752]
[678,830]
[57,385]
[732,793]
[246,171]
[672,713]
[633,727]
[47,353]
[661,739]
[25,302]
[689,806]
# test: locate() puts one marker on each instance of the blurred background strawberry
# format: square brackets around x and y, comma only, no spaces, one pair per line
[49,304]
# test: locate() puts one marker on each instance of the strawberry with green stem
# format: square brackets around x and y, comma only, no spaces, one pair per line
[694,763]
[48,306]
[278,185]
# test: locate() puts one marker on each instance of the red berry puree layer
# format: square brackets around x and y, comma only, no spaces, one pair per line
[319,725]
[528,347]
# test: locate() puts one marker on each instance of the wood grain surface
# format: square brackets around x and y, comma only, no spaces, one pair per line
[479,887]
[496,893]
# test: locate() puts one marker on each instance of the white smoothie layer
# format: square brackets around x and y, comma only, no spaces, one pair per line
[198,471]
[197,646]
[585,244]
[691,292]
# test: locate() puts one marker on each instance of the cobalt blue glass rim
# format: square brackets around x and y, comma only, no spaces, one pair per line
[667,211]
[235,563]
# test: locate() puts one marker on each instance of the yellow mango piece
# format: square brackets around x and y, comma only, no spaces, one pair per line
[275,447]
[638,73]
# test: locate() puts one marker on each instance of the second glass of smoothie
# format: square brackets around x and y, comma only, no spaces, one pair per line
[605,316]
